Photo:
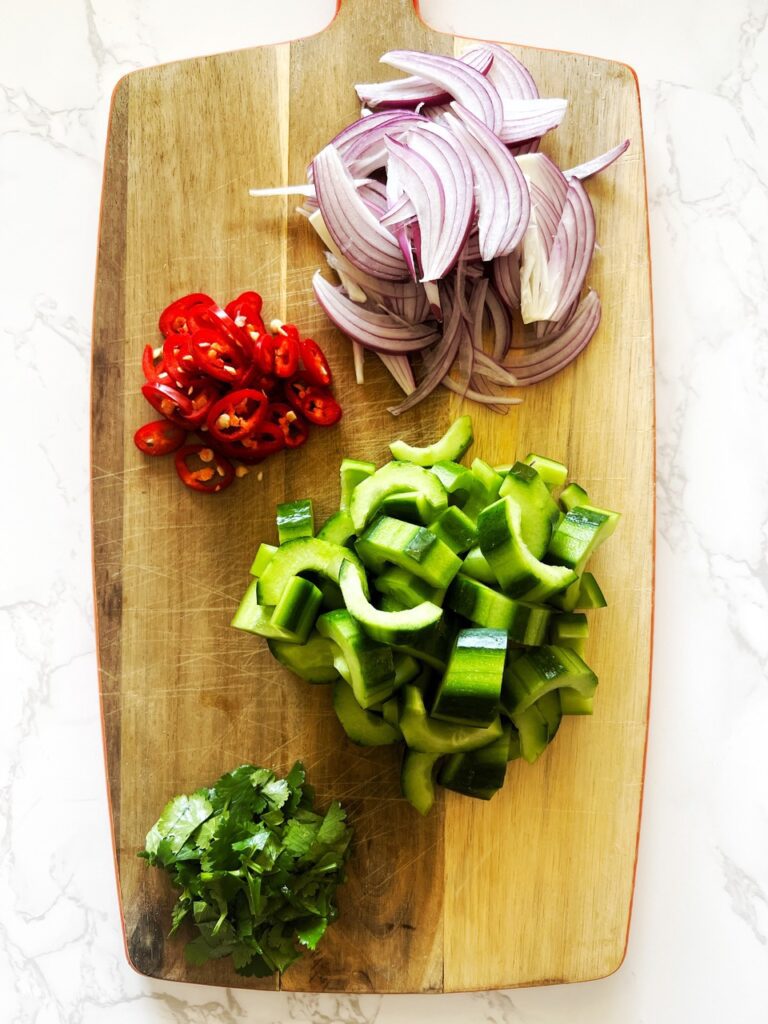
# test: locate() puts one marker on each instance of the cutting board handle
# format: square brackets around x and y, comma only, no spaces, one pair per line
[351,14]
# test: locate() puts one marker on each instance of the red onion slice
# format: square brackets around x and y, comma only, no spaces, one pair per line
[501,323]
[361,145]
[598,163]
[377,331]
[550,359]
[530,119]
[512,79]
[353,227]
[501,192]
[406,299]
[506,278]
[409,92]
[400,368]
[455,77]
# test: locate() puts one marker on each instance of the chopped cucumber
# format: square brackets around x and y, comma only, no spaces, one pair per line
[470,690]
[394,477]
[477,572]
[421,732]
[311,661]
[364,727]
[387,627]
[518,571]
[295,519]
[370,664]
[451,446]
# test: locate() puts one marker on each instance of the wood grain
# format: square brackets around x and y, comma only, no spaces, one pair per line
[533,887]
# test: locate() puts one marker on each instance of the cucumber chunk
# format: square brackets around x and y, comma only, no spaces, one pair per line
[479,773]
[570,630]
[541,670]
[533,733]
[518,571]
[451,446]
[476,565]
[387,627]
[262,559]
[338,528]
[455,529]
[469,692]
[295,519]
[524,623]
[538,510]
[407,588]
[363,727]
[352,473]
[554,474]
[311,661]
[308,554]
[394,477]
[417,779]
[582,530]
[296,611]
[370,664]
[424,733]
[411,547]
[572,496]
[590,595]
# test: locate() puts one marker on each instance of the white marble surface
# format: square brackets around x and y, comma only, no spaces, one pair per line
[698,947]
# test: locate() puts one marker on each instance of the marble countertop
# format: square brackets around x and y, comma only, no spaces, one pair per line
[698,948]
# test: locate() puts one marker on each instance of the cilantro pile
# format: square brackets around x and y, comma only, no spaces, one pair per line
[257,867]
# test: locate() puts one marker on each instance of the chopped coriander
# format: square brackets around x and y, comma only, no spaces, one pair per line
[257,867]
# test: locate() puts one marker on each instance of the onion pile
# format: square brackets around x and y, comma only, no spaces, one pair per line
[461,251]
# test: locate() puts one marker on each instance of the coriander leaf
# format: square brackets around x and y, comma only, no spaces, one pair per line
[334,829]
[180,817]
[299,837]
[310,931]
[276,792]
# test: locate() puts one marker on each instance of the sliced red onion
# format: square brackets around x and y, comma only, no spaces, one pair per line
[550,359]
[406,299]
[401,211]
[472,395]
[512,79]
[440,359]
[409,92]
[358,361]
[502,196]
[423,185]
[530,119]
[506,278]
[486,366]
[457,78]
[573,247]
[361,145]
[353,227]
[598,163]
[400,368]
[377,331]
[502,325]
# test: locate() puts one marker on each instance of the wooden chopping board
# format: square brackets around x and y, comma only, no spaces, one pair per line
[534,887]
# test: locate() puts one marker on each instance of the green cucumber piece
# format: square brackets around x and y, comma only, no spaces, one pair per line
[554,474]
[549,706]
[582,530]
[352,473]
[390,712]
[253,617]
[391,478]
[590,595]
[459,481]
[470,689]
[524,623]
[338,528]
[387,627]
[295,519]
[308,554]
[455,529]
[387,603]
[262,559]
[572,496]
[570,630]
[519,572]
[572,702]
[451,446]
[503,469]
[408,505]
[407,588]
[429,736]
[433,646]
[363,727]
[541,670]
[411,547]
[476,565]
[487,490]
[417,779]
[297,610]
[406,668]
[311,661]
[479,773]
[533,733]
[370,665]
[514,744]
[538,510]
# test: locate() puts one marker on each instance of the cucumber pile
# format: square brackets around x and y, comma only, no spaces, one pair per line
[444,603]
